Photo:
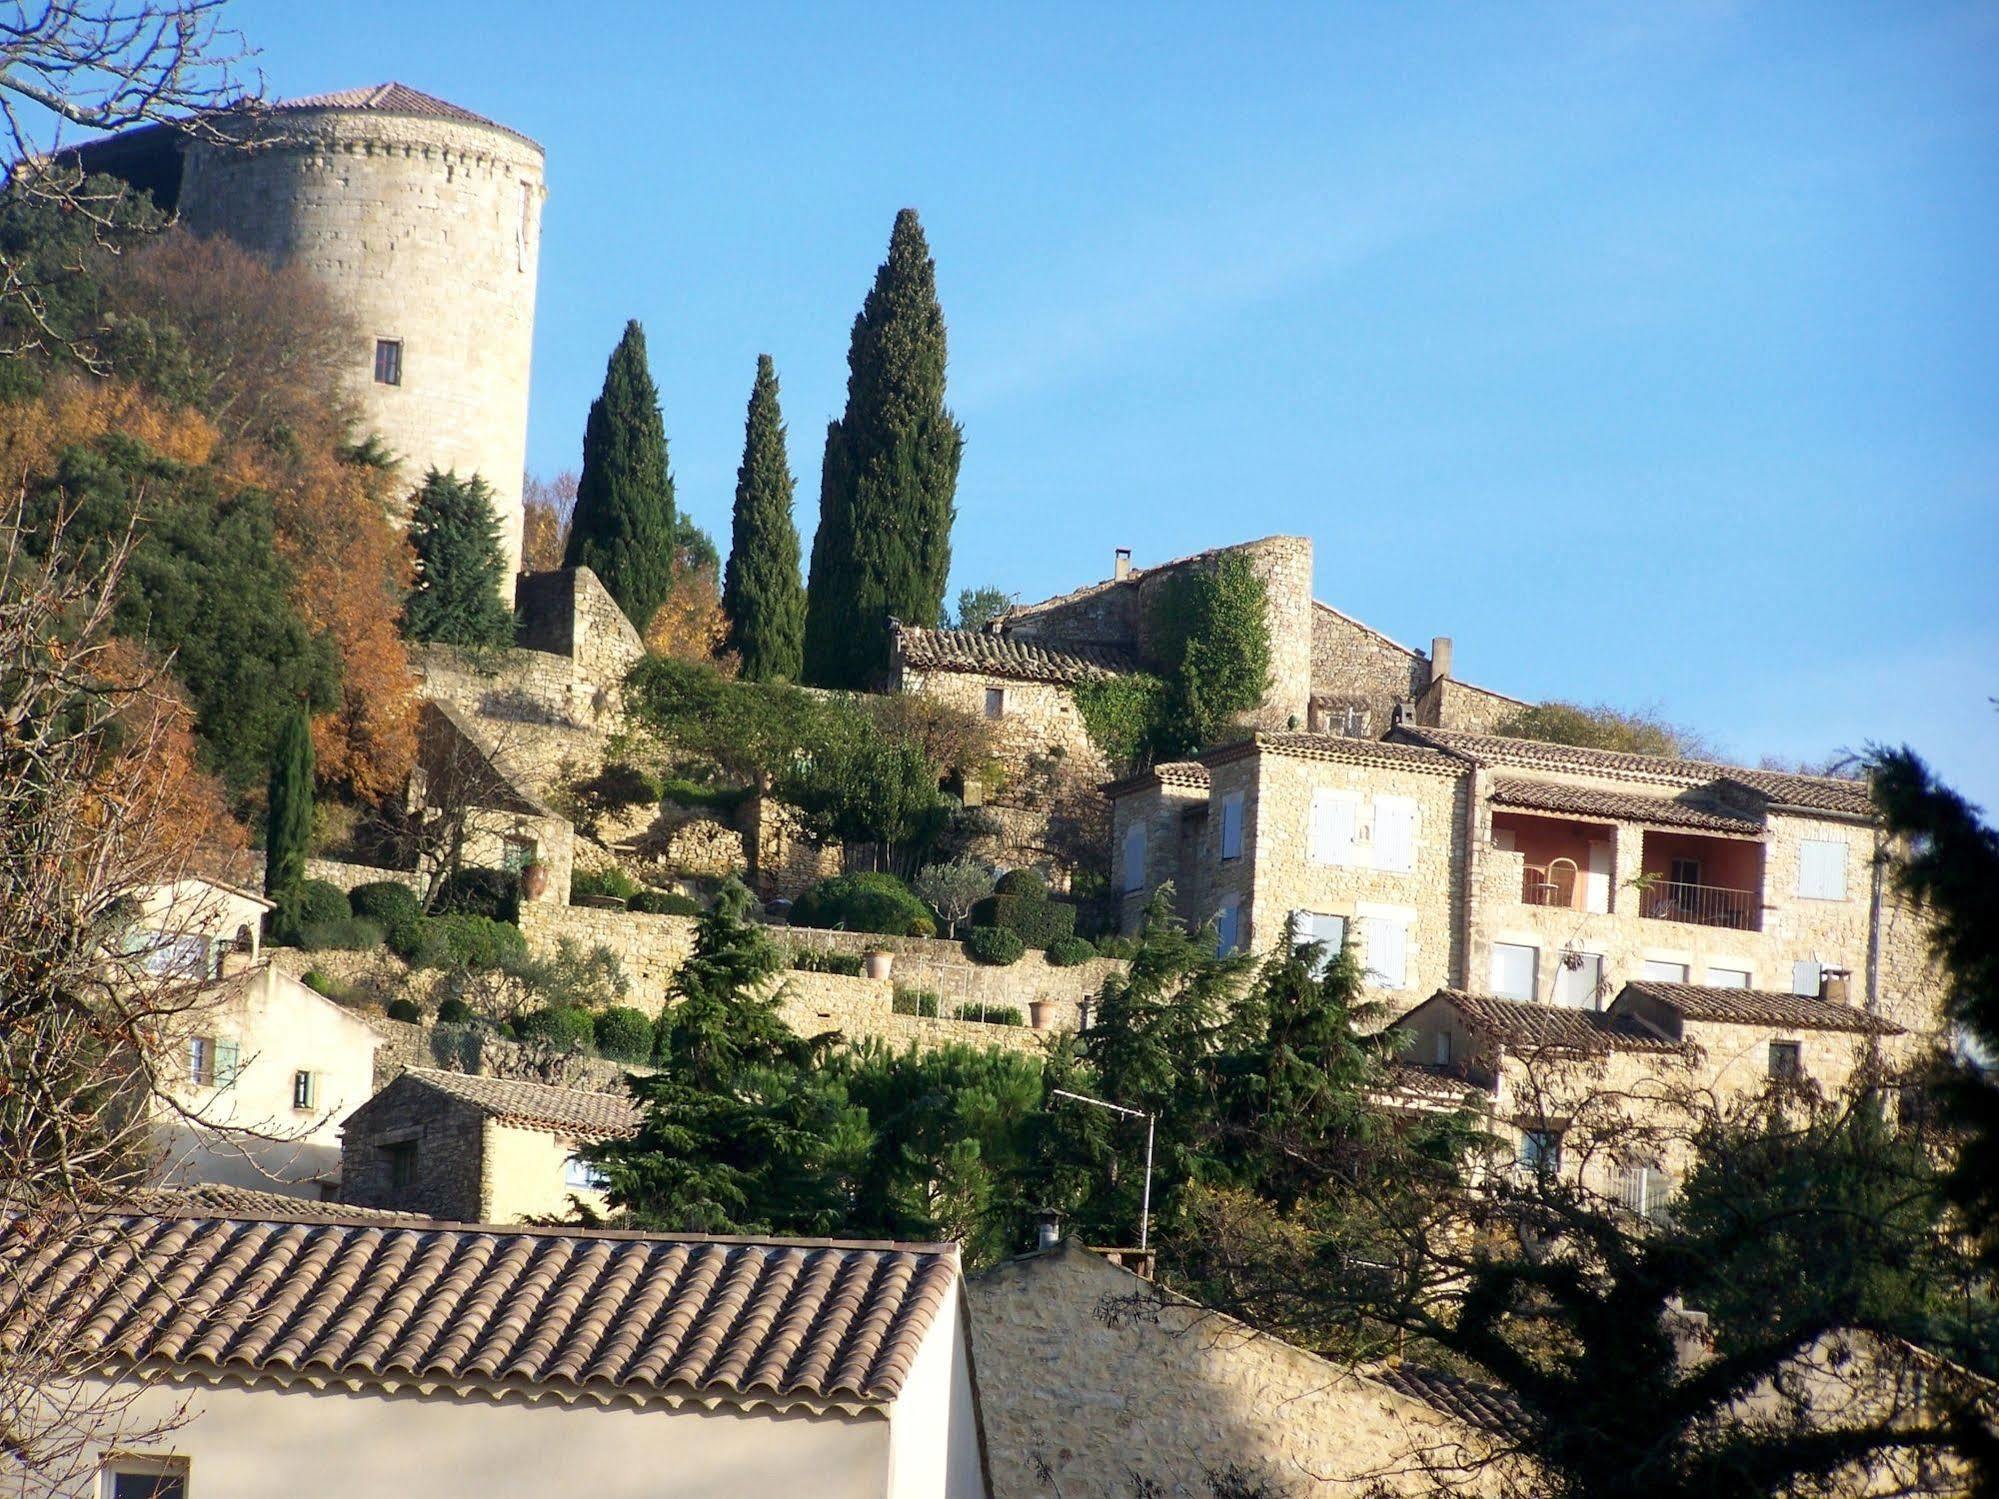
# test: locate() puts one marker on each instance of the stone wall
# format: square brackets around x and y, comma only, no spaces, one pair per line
[542,724]
[1450,704]
[862,1009]
[649,948]
[568,612]
[785,860]
[449,1139]
[1355,667]
[347,876]
[424,230]
[1091,1383]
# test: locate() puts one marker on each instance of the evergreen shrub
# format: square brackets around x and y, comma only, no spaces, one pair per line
[386,903]
[990,1014]
[560,1025]
[481,892]
[994,945]
[348,934]
[624,1034]
[924,1002]
[478,941]
[870,901]
[321,902]
[407,1010]
[812,960]
[1067,952]
[455,1011]
[663,903]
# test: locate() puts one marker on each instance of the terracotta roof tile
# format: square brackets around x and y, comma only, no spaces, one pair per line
[1701,1002]
[385,98]
[1521,1023]
[1829,794]
[1340,747]
[1485,1407]
[573,1314]
[1617,806]
[219,1200]
[535,1105]
[1191,774]
[995,655]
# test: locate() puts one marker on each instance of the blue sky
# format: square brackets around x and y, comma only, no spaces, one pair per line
[1651,352]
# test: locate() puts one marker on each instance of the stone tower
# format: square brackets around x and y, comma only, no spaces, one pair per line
[423,221]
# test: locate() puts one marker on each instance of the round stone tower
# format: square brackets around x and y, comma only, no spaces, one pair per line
[423,221]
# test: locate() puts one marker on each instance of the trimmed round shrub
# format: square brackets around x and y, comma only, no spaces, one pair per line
[454,1011]
[406,1009]
[320,903]
[994,945]
[870,901]
[478,941]
[663,903]
[347,934]
[1026,882]
[923,926]
[625,1034]
[494,893]
[1067,952]
[1037,920]
[386,903]
[419,943]
[560,1025]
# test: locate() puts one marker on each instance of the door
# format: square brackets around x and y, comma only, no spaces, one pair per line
[1596,882]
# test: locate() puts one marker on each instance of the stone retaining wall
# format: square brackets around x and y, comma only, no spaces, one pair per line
[347,876]
[862,1009]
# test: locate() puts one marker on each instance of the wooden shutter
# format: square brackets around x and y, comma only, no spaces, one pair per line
[1387,952]
[1395,833]
[1134,857]
[1333,819]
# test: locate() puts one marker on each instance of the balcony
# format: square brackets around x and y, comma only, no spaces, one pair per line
[1702,905]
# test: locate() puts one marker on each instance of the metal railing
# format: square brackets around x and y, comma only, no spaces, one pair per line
[1701,905]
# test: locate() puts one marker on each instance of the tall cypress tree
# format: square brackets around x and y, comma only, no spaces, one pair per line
[886,492]
[288,816]
[460,568]
[624,525]
[761,593]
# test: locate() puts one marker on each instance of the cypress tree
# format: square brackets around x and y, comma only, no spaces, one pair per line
[624,524]
[460,567]
[288,815]
[887,488]
[761,593]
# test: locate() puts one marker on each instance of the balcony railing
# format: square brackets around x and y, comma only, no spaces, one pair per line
[1701,905]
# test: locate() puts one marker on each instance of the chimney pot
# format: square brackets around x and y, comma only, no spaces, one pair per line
[1047,1230]
[1440,658]
[1834,986]
[1121,563]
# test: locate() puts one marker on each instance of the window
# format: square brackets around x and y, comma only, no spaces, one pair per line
[1541,1151]
[1822,869]
[305,1090]
[1330,932]
[1685,872]
[1387,952]
[169,955]
[1579,980]
[1395,833]
[1232,825]
[1334,817]
[1661,972]
[1643,1190]
[402,1163]
[1784,1062]
[521,227]
[228,1062]
[995,702]
[126,1476]
[1515,970]
[516,854]
[1134,858]
[1228,922]
[1806,977]
[1729,978]
[201,1061]
[582,1175]
[1443,1048]
[388,361]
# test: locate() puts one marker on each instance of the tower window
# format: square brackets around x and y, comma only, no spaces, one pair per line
[388,361]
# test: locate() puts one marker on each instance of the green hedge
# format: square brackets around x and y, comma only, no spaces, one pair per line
[385,902]
[479,941]
[663,903]
[811,960]
[344,934]
[990,1014]
[455,1011]
[1026,881]
[1117,947]
[481,892]
[924,1002]
[1067,952]
[994,945]
[321,903]
[613,882]
[865,902]
[561,1025]
[624,1034]
[406,1009]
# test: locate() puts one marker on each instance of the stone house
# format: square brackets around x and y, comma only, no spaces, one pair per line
[356,1356]
[1544,873]
[258,1073]
[1613,1096]
[1091,1380]
[474,1149]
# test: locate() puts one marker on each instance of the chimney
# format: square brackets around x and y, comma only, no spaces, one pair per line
[1834,985]
[1047,1229]
[1121,564]
[1440,657]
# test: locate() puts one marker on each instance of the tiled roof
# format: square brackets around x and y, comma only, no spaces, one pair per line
[1188,773]
[536,1105]
[1002,656]
[1484,1407]
[1760,1007]
[386,98]
[1617,806]
[1521,1023]
[563,1314]
[1812,793]
[1384,752]
[219,1200]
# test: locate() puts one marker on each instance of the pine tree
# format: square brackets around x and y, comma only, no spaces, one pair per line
[624,523]
[887,487]
[761,592]
[288,822]
[460,568]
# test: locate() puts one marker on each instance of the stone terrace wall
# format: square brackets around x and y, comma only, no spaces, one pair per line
[650,948]
[347,876]
[862,1009]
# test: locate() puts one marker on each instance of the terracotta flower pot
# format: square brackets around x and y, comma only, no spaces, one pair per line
[878,965]
[1041,1014]
[534,881]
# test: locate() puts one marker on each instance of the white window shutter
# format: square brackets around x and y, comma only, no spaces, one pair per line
[1822,869]
[1395,833]
[1805,977]
[1333,827]
[1513,970]
[1387,952]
